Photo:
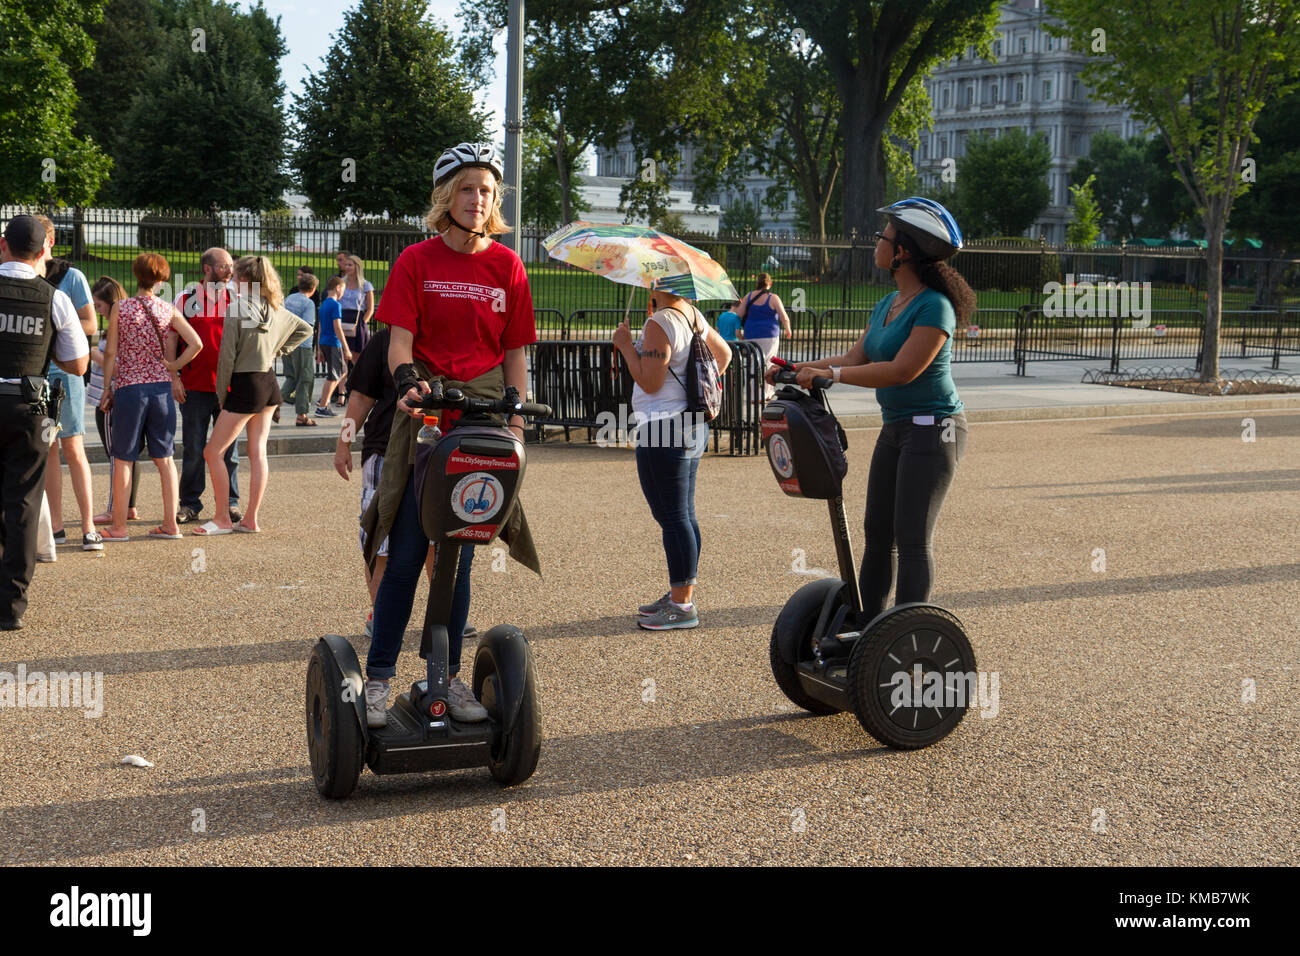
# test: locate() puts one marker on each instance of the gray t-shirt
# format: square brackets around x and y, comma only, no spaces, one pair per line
[303,307]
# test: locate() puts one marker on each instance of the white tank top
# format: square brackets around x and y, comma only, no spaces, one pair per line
[670,399]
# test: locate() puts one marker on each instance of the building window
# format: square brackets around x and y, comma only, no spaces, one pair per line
[925,147]
[970,93]
[945,98]
[1020,91]
[1047,89]
[943,146]
[997,47]
[1050,40]
[1024,44]
[1075,144]
[993,93]
[1074,89]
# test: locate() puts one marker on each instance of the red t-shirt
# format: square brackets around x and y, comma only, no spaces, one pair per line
[464,310]
[201,374]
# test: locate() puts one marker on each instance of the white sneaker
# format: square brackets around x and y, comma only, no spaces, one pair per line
[377,703]
[462,704]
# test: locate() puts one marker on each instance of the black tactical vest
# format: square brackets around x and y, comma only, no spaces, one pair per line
[26,326]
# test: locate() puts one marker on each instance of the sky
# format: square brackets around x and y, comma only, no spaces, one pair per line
[308,25]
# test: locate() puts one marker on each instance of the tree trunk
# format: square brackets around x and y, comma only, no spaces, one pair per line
[1215,226]
[864,176]
[78,252]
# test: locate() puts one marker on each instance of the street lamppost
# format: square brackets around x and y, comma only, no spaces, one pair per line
[514,119]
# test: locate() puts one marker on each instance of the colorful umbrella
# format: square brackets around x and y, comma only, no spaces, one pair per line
[640,256]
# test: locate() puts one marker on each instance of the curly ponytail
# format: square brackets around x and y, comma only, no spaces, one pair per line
[944,278]
[938,275]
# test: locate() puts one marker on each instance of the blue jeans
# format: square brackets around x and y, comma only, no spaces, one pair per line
[407,549]
[199,412]
[667,459]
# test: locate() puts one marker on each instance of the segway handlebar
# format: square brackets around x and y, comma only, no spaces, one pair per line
[789,375]
[454,398]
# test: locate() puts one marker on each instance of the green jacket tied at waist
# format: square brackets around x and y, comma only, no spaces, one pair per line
[399,460]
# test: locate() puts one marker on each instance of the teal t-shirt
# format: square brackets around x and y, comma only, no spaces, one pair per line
[932,392]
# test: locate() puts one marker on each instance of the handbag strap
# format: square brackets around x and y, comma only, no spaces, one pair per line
[148,317]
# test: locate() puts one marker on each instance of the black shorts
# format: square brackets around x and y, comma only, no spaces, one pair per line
[250,392]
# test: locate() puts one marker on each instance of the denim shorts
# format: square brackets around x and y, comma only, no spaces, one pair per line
[147,409]
[72,415]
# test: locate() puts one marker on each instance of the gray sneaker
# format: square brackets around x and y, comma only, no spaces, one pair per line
[647,609]
[376,703]
[462,704]
[92,541]
[670,618]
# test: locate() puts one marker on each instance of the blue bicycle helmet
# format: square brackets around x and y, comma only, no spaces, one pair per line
[927,224]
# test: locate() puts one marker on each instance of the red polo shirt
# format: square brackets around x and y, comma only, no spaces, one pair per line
[208,317]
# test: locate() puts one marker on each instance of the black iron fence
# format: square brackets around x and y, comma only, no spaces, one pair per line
[1164,334]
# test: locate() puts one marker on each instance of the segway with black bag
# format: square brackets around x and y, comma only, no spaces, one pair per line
[467,483]
[909,674]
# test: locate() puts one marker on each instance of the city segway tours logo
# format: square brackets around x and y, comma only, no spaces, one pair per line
[477,497]
[778,452]
[919,688]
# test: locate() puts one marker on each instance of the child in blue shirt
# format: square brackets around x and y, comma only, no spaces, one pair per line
[729,323]
[334,349]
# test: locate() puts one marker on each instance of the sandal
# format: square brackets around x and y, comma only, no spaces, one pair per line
[158,532]
[304,421]
[211,528]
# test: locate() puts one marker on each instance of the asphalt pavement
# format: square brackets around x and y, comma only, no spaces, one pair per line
[1131,580]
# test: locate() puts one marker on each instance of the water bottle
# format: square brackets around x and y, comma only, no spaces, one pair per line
[430,434]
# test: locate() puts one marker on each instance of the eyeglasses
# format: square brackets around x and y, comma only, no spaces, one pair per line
[881,235]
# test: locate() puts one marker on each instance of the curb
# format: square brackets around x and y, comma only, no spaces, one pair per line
[1191,406]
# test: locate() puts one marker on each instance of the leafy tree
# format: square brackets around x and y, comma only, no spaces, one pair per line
[1267,212]
[1122,171]
[387,102]
[1002,183]
[572,66]
[42,43]
[645,195]
[214,80]
[125,40]
[542,202]
[874,50]
[1085,215]
[741,217]
[1169,207]
[1200,73]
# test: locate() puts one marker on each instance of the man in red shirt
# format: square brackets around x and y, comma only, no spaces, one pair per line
[195,386]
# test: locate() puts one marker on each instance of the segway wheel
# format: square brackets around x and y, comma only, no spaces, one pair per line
[793,632]
[512,757]
[334,741]
[913,676]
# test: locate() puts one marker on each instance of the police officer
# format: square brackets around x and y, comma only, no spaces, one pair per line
[37,323]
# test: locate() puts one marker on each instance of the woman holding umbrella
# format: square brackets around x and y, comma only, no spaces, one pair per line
[669,444]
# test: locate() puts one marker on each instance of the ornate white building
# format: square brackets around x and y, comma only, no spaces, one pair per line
[1032,84]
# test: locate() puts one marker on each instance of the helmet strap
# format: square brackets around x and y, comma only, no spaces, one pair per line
[471,232]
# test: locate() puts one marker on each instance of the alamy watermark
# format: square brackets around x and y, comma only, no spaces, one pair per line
[1085,299]
[920,688]
[38,689]
[630,429]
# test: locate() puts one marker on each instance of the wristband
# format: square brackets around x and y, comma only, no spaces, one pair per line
[406,378]
[835,373]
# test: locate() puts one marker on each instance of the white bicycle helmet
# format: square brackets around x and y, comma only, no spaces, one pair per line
[482,155]
[927,224]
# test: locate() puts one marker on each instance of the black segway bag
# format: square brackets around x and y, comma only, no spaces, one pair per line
[805,445]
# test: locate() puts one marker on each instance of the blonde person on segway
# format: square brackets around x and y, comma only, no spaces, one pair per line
[905,355]
[460,309]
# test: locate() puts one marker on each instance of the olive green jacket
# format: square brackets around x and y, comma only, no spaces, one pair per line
[399,460]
